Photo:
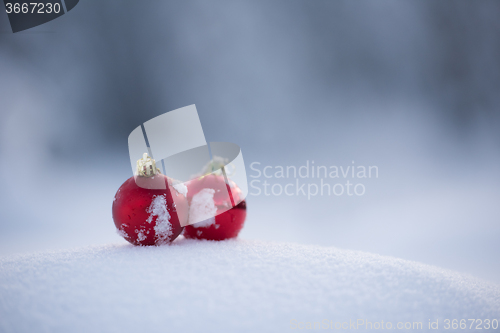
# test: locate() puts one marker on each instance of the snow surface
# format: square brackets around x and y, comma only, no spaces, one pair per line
[237,285]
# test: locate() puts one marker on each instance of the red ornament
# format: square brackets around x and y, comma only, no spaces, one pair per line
[208,196]
[149,214]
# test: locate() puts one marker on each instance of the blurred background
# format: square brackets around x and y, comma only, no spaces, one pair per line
[412,87]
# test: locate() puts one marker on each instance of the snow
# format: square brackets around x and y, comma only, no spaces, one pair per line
[140,235]
[237,285]
[122,233]
[181,188]
[163,228]
[202,209]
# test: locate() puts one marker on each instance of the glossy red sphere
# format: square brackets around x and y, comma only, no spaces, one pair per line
[229,221]
[149,216]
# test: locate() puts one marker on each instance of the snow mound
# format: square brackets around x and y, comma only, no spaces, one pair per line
[238,285]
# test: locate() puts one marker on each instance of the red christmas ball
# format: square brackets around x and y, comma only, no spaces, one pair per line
[146,215]
[209,196]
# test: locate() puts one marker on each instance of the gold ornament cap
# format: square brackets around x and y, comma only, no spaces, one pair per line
[146,166]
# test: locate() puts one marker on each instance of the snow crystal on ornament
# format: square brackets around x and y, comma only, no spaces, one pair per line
[121,233]
[140,235]
[181,188]
[158,208]
[203,208]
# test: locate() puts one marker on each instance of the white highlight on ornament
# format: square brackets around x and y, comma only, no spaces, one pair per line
[202,209]
[163,227]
